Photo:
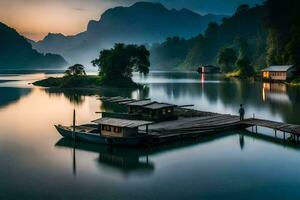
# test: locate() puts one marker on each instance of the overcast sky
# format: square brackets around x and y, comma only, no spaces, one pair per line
[35,18]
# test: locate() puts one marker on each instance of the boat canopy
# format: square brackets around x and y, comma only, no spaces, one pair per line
[121,122]
[155,106]
[141,103]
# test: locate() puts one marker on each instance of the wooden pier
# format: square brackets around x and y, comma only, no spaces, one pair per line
[276,126]
[193,123]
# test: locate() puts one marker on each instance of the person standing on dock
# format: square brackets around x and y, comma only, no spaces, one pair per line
[242,112]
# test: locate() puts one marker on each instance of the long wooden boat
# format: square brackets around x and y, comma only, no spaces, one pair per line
[108,131]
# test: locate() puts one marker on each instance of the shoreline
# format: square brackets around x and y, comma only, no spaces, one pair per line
[89,82]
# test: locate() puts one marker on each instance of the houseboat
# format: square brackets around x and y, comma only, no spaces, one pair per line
[111,131]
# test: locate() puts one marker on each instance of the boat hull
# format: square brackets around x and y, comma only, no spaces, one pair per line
[97,138]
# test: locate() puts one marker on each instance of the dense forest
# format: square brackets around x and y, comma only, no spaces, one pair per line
[250,39]
[283,23]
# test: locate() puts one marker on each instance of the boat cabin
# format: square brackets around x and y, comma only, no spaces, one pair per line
[279,72]
[159,112]
[137,106]
[113,127]
[152,110]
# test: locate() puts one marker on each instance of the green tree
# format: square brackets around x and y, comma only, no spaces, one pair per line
[120,61]
[245,55]
[226,59]
[283,26]
[75,70]
[245,67]
[244,8]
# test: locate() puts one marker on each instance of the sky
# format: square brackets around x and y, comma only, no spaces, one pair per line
[36,18]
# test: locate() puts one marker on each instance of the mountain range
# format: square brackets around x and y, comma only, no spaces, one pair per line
[141,23]
[17,52]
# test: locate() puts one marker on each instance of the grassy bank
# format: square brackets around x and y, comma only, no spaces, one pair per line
[294,82]
[233,74]
[238,74]
[85,82]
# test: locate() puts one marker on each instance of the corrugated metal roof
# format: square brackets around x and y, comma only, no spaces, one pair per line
[141,103]
[158,106]
[121,122]
[279,68]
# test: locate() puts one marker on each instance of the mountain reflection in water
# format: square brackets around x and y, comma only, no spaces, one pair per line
[228,166]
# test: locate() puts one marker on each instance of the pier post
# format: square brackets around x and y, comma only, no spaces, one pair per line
[74,123]
[147,129]
[256,129]
[283,136]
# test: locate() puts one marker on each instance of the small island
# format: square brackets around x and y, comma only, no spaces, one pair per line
[115,70]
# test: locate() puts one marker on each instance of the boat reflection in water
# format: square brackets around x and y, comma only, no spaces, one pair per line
[130,161]
[125,160]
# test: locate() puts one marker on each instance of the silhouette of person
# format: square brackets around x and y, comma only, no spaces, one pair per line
[241,112]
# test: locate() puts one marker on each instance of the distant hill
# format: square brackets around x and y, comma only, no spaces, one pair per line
[141,23]
[247,24]
[17,52]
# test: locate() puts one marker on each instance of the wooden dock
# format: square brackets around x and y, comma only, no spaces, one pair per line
[193,123]
[277,126]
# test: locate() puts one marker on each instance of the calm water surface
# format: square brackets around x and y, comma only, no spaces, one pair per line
[35,163]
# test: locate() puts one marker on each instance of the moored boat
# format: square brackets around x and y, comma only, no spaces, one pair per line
[111,131]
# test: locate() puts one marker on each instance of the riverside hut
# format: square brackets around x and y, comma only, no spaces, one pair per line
[279,72]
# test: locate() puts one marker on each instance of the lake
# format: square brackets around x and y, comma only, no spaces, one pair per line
[36,163]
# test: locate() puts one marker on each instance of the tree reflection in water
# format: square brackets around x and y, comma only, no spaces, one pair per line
[77,96]
[12,95]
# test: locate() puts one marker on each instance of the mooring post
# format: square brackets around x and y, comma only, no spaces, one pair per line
[283,136]
[147,129]
[256,129]
[74,123]
[74,161]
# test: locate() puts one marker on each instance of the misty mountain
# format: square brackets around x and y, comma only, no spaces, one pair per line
[17,52]
[141,23]
[246,24]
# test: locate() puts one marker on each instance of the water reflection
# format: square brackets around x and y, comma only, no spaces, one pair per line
[12,95]
[125,160]
[276,92]
[274,101]
[30,164]
[242,141]
[77,96]
[130,161]
[266,100]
